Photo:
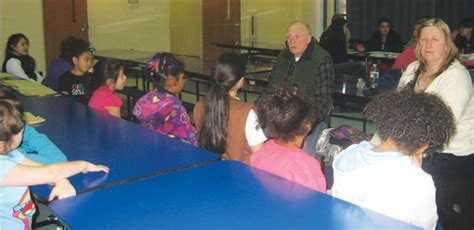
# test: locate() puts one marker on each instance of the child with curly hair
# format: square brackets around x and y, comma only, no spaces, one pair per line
[387,177]
[77,82]
[286,114]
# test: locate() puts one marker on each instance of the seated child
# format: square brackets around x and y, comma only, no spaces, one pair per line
[60,65]
[112,76]
[77,82]
[286,114]
[36,146]
[160,109]
[18,172]
[226,125]
[387,178]
[17,59]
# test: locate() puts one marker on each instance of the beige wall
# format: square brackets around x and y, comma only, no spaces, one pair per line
[115,24]
[312,15]
[186,27]
[23,16]
[330,9]
[273,17]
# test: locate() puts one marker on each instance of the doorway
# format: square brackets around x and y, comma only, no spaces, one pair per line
[61,19]
[220,23]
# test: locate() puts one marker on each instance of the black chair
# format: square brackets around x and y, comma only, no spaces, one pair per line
[133,94]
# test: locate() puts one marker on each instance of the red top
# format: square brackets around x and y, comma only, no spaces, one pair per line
[104,97]
[292,164]
[405,58]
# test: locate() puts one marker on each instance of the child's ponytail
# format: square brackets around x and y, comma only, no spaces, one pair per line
[163,65]
[228,69]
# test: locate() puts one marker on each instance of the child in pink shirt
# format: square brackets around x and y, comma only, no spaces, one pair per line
[112,78]
[285,113]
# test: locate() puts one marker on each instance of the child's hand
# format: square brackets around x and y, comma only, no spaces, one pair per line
[62,189]
[95,168]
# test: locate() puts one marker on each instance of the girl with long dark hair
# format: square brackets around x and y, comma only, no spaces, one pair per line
[225,124]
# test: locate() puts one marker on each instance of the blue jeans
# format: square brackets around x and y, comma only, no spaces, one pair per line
[311,139]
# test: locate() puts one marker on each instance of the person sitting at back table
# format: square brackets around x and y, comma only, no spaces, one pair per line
[35,145]
[414,35]
[464,40]
[387,178]
[225,124]
[385,38]
[160,110]
[333,40]
[408,55]
[18,61]
[307,64]
[347,32]
[61,65]
[286,114]
[111,77]
[77,82]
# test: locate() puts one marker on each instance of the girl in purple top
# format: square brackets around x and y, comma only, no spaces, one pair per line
[160,109]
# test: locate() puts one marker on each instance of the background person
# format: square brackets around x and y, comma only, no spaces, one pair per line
[385,38]
[18,61]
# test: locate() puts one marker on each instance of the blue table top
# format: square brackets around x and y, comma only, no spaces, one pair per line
[224,194]
[129,150]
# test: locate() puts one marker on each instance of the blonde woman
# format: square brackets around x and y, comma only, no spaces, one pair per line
[437,71]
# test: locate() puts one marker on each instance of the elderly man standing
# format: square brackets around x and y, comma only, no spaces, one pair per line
[305,63]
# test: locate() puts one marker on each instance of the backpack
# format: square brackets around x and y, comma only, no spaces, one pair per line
[333,140]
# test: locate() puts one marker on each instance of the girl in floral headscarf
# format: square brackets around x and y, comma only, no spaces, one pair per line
[160,109]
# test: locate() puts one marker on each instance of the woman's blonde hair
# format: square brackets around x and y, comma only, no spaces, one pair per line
[451,52]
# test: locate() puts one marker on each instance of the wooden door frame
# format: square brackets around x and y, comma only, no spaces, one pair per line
[208,23]
[53,34]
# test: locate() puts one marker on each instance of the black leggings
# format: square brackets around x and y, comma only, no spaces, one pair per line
[454,180]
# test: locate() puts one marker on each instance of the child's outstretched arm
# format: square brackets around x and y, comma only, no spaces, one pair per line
[26,175]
